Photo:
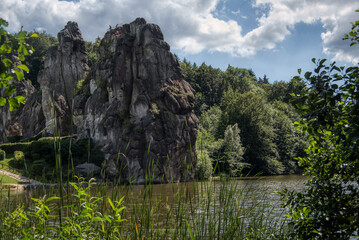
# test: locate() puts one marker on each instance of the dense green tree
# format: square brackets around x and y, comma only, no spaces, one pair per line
[231,152]
[263,80]
[207,82]
[239,79]
[206,145]
[289,142]
[254,117]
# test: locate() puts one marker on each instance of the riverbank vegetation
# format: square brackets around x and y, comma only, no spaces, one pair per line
[194,210]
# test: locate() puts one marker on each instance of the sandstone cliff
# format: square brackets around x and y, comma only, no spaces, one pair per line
[134,101]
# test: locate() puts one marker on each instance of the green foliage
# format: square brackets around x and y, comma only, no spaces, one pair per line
[211,120]
[239,79]
[40,154]
[85,220]
[289,142]
[2,155]
[204,167]
[154,109]
[255,118]
[35,61]
[12,147]
[206,81]
[354,33]
[19,160]
[329,208]
[92,49]
[205,147]
[80,84]
[231,152]
[12,46]
[261,110]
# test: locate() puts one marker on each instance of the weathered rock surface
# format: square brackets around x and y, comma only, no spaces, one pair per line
[64,67]
[139,104]
[135,101]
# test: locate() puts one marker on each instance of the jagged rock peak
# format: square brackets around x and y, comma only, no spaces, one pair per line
[71,35]
[64,67]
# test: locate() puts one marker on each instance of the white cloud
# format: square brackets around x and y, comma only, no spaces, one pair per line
[192,25]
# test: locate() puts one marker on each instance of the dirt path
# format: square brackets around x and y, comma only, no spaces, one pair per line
[20,178]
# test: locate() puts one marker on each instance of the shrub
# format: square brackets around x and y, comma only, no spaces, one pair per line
[38,167]
[13,139]
[2,155]
[18,161]
[12,147]
[204,166]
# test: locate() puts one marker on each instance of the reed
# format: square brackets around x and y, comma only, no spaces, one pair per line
[75,208]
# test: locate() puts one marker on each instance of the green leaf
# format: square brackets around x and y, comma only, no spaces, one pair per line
[10,90]
[2,100]
[307,75]
[20,99]
[7,62]
[299,71]
[14,104]
[111,203]
[189,230]
[34,35]
[19,75]
[21,35]
[3,22]
[23,67]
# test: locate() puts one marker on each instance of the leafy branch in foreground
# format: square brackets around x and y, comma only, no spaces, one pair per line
[12,46]
[329,208]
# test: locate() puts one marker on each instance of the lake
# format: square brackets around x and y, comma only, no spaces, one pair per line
[236,208]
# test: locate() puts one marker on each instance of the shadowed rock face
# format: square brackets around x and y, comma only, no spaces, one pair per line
[135,101]
[139,104]
[64,67]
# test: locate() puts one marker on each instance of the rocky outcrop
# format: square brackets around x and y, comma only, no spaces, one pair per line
[64,67]
[135,103]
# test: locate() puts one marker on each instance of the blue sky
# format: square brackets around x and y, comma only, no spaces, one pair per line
[272,37]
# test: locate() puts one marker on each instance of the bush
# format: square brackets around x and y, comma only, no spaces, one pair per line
[19,160]
[2,155]
[204,168]
[13,139]
[39,167]
[12,147]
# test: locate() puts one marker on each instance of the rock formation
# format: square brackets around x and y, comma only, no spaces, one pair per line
[64,67]
[134,103]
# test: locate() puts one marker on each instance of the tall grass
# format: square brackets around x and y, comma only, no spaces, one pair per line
[216,209]
[193,210]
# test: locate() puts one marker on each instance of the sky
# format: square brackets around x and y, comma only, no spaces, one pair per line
[271,37]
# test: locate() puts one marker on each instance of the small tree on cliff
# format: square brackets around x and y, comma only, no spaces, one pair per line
[12,45]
